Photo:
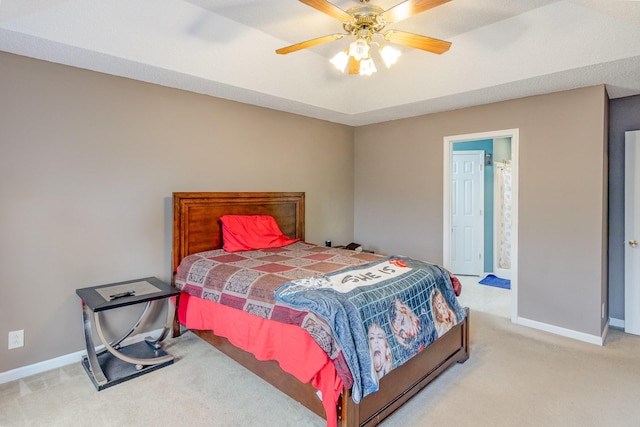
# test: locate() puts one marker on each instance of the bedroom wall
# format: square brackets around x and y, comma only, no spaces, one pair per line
[624,116]
[562,196]
[88,165]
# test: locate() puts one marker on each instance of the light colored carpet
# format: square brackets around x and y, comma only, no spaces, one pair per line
[515,376]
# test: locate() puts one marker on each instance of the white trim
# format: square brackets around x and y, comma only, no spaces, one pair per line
[569,333]
[36,368]
[58,362]
[514,134]
[616,323]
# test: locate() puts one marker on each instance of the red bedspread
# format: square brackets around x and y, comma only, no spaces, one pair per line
[268,340]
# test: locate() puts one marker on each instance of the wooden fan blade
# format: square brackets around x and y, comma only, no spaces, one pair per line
[309,43]
[409,8]
[329,9]
[417,41]
[354,65]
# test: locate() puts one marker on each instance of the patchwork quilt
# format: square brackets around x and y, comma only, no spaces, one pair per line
[247,281]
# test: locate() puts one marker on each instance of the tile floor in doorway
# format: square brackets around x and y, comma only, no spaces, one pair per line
[487,299]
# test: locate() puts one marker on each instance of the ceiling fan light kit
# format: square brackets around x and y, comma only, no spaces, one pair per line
[366,21]
[389,55]
[359,49]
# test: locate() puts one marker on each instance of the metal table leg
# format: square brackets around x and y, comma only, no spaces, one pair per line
[116,343]
[134,360]
[155,343]
[92,358]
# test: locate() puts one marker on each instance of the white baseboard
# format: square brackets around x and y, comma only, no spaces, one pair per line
[58,362]
[616,323]
[36,368]
[569,333]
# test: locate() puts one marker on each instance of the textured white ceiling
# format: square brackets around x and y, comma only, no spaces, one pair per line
[502,49]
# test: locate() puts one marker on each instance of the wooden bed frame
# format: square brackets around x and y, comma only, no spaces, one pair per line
[196,228]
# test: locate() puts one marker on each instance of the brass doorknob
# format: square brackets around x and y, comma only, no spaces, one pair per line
[633,243]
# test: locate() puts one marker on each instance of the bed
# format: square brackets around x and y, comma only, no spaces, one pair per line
[197,229]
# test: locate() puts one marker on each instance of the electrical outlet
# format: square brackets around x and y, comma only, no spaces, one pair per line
[16,339]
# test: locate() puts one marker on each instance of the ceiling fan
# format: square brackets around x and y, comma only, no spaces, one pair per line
[366,21]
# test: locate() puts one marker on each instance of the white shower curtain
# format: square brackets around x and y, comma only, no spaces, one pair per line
[504,219]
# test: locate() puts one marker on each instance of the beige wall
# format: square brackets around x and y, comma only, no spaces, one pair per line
[562,203]
[89,161]
[88,165]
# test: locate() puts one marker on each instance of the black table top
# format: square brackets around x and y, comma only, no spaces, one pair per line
[121,294]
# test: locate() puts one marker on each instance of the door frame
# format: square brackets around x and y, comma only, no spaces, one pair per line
[478,217]
[446,205]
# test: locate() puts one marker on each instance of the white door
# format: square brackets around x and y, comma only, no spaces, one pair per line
[467,198]
[632,233]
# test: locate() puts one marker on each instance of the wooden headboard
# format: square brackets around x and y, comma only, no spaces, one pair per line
[196,217]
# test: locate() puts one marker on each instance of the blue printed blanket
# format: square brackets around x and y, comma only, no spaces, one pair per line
[381,313]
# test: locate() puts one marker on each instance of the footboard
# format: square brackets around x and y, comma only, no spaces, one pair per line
[399,385]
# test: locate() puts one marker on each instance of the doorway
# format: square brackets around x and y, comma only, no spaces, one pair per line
[511,135]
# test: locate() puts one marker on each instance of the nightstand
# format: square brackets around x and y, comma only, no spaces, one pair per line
[116,363]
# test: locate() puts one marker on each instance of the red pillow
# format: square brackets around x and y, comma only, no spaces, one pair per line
[247,232]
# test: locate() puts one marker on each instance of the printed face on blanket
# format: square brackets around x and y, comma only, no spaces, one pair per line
[380,350]
[443,317]
[413,332]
